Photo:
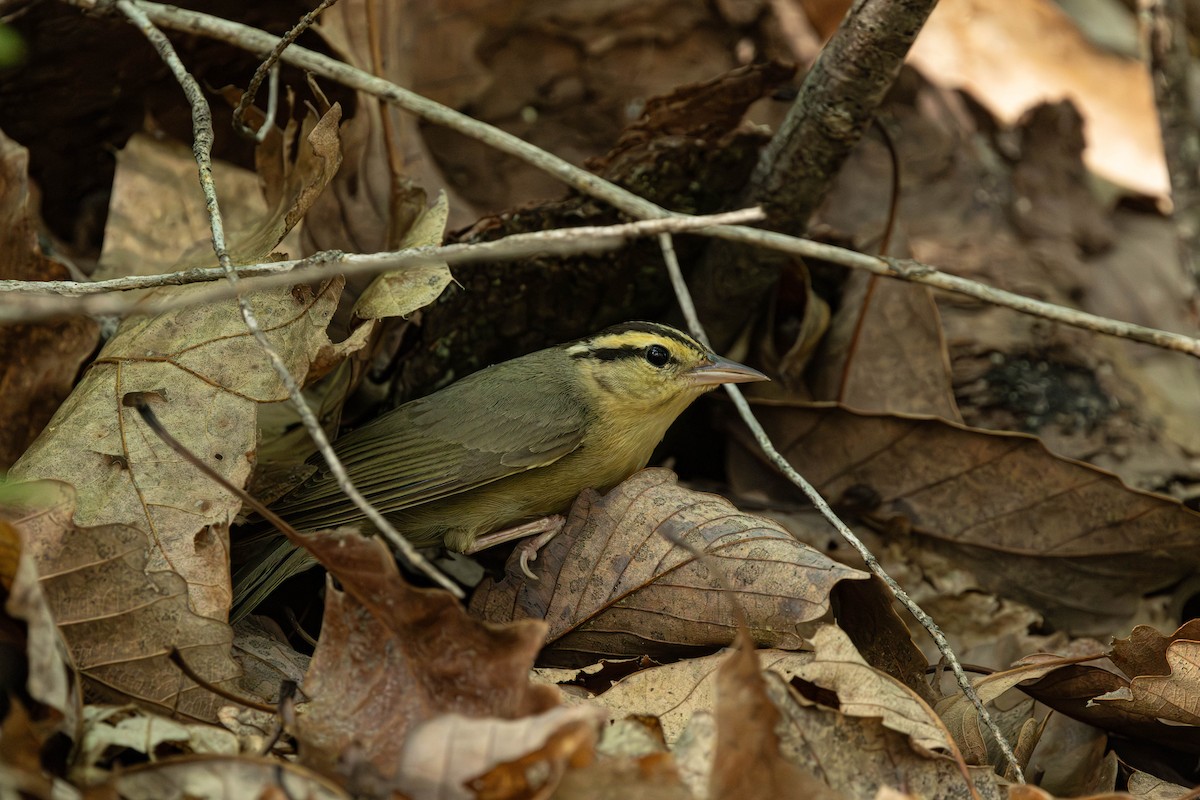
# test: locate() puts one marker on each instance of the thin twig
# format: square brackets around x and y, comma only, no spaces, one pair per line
[178,660]
[271,64]
[683,294]
[29,300]
[202,132]
[27,307]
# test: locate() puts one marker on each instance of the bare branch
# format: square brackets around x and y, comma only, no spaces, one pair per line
[836,104]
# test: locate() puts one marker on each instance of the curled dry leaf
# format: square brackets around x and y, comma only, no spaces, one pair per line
[614,584]
[961,718]
[50,679]
[400,293]
[452,757]
[1066,538]
[119,618]
[747,763]
[391,656]
[41,359]
[1159,705]
[110,731]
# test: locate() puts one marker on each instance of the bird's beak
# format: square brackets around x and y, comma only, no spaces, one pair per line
[721,370]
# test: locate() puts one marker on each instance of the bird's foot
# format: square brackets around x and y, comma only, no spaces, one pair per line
[543,530]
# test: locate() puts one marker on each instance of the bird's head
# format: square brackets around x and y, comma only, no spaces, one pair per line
[647,368]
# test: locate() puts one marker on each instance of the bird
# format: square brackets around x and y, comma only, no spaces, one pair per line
[474,463]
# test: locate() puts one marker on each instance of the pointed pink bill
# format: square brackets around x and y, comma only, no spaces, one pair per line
[722,370]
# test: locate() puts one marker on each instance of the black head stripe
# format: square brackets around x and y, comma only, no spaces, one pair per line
[611,353]
[654,328]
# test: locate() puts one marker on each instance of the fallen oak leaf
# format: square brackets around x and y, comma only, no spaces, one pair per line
[614,584]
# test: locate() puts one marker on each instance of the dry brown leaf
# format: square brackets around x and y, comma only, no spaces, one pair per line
[22,741]
[224,778]
[1173,698]
[1026,791]
[164,529]
[613,584]
[651,777]
[865,611]
[391,656]
[1147,787]
[149,228]
[960,717]
[366,202]
[41,360]
[452,757]
[885,351]
[1030,525]
[863,691]
[747,763]
[120,619]
[400,293]
[110,731]
[184,360]
[1071,757]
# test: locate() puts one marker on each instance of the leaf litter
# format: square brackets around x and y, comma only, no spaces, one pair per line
[398,672]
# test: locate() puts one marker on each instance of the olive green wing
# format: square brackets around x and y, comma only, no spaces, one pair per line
[472,433]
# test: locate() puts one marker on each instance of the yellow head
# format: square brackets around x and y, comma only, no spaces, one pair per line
[651,370]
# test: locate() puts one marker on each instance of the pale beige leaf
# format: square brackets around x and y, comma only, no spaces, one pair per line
[860,755]
[443,757]
[675,692]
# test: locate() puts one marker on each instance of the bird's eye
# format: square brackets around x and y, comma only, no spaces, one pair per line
[658,355]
